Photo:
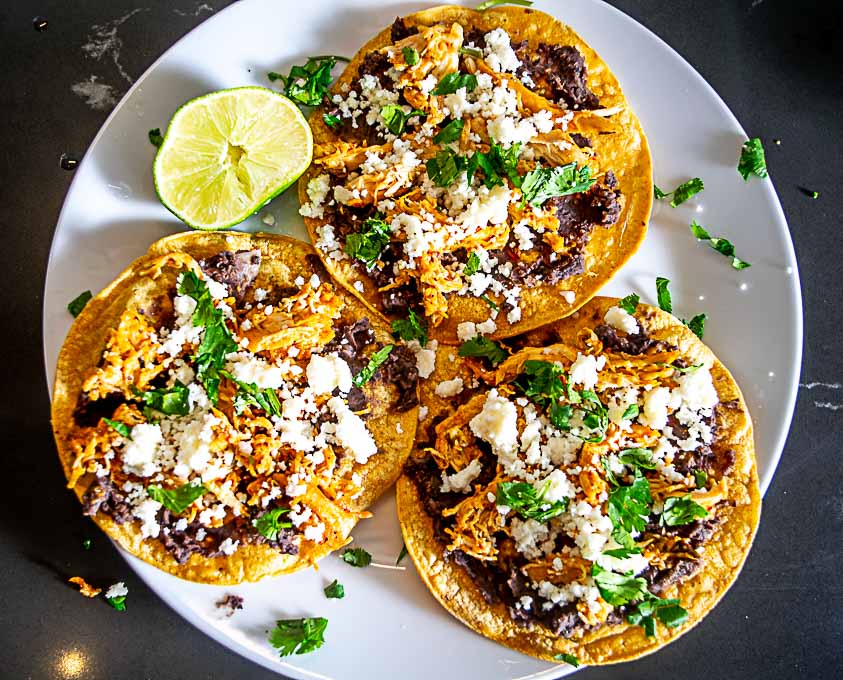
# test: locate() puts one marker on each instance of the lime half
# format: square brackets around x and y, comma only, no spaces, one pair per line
[227,153]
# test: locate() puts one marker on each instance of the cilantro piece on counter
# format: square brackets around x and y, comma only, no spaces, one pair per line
[335,591]
[401,555]
[663,294]
[411,55]
[721,245]
[452,82]
[330,120]
[638,458]
[629,509]
[298,636]
[155,137]
[489,301]
[249,394]
[541,183]
[697,326]
[87,543]
[629,303]
[658,193]
[77,304]
[176,500]
[472,52]
[375,362]
[356,557]
[270,523]
[395,118]
[815,194]
[701,478]
[472,264]
[171,401]
[529,502]
[618,589]
[669,612]
[411,328]
[118,602]
[367,244]
[569,659]
[121,428]
[752,161]
[308,84]
[679,510]
[630,412]
[495,3]
[444,167]
[450,133]
[480,346]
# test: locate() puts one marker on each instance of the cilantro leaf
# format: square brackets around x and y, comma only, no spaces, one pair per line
[541,381]
[721,245]
[618,589]
[697,326]
[367,244]
[309,84]
[77,304]
[450,133]
[658,193]
[121,428]
[411,56]
[171,401]
[489,301]
[495,3]
[411,328]
[679,510]
[118,603]
[330,120]
[395,118]
[401,555]
[87,543]
[569,659]
[752,161]
[629,303]
[356,557]
[444,167]
[663,294]
[630,412]
[637,458]
[669,612]
[596,416]
[701,478]
[452,82]
[528,502]
[249,394]
[155,137]
[685,190]
[270,523]
[335,591]
[298,636]
[179,499]
[472,264]
[480,346]
[541,183]
[471,52]
[622,553]
[629,509]
[375,362]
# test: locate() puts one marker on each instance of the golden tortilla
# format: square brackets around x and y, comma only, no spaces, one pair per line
[723,554]
[625,151]
[283,259]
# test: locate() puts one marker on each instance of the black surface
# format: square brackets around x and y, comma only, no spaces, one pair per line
[776,65]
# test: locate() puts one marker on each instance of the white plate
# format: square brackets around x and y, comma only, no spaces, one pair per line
[388,625]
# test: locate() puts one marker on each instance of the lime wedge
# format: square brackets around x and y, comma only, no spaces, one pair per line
[227,153]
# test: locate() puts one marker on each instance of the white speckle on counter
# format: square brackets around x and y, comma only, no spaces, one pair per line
[827,404]
[204,7]
[103,41]
[99,96]
[701,298]
[744,286]
[268,219]
[700,208]
[812,385]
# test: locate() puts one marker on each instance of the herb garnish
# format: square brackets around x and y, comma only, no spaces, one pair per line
[176,500]
[270,523]
[401,555]
[489,301]
[171,401]
[495,3]
[335,591]
[451,132]
[541,183]
[637,458]
[217,341]
[472,264]
[411,328]
[249,394]
[630,412]
[77,304]
[658,193]
[569,659]
[480,346]
[356,557]
[86,544]
[444,168]
[411,56]
[629,509]
[121,428]
[155,137]
[395,118]
[681,193]
[701,478]
[681,510]
[663,294]
[375,362]
[618,589]
[496,164]
[298,636]
[753,161]
[622,553]
[118,603]
[669,612]
[452,82]
[472,52]
[697,326]
[330,120]
[721,245]
[629,303]
[309,84]
[367,244]
[529,502]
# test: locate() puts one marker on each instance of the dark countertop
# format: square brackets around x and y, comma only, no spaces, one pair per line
[777,64]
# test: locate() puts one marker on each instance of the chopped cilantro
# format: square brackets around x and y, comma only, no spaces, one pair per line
[118,603]
[179,499]
[658,193]
[171,401]
[375,362]
[569,659]
[480,346]
[270,523]
[622,553]
[444,167]
[411,56]
[663,294]
[451,132]
[528,501]
[249,394]
[356,557]
[681,193]
[298,636]
[629,303]
[472,264]
[401,555]
[86,544]
[335,591]
[618,589]
[489,301]
[679,510]
[629,509]
[452,82]
[637,458]
[541,183]
[753,161]
[77,304]
[701,478]
[367,244]
[815,194]
[630,412]
[472,52]
[669,612]
[155,137]
[121,428]
[411,328]
[721,245]
[697,326]
[330,120]
[309,84]
[495,3]
[395,118]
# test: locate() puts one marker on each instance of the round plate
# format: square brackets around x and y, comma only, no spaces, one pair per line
[111,215]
